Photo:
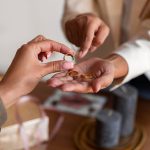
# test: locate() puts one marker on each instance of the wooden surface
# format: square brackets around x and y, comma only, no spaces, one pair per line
[64,139]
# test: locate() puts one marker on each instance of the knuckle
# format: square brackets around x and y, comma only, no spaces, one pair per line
[40,37]
[79,20]
[88,38]
[55,66]
[24,47]
[97,41]
[86,19]
[97,20]
[106,28]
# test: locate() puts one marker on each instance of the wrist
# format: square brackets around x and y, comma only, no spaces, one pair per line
[7,95]
[120,65]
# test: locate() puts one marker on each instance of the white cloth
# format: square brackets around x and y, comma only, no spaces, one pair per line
[137,54]
[136,50]
[34,131]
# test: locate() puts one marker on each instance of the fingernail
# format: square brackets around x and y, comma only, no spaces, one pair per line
[43,58]
[92,49]
[80,54]
[49,54]
[68,65]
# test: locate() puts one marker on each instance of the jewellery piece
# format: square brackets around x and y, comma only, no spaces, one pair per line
[73,58]
[84,77]
[73,74]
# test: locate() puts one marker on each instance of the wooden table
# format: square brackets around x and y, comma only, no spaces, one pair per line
[64,139]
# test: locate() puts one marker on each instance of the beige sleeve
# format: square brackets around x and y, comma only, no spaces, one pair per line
[73,8]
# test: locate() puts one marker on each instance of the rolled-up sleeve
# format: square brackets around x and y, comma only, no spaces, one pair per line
[73,8]
[137,54]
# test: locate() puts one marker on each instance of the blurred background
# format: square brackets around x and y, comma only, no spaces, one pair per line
[22,20]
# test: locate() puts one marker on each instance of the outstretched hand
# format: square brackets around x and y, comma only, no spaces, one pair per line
[89,76]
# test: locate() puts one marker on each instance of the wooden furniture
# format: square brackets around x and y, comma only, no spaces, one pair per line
[64,139]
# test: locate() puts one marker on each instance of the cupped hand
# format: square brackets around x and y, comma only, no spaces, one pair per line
[27,68]
[86,31]
[89,76]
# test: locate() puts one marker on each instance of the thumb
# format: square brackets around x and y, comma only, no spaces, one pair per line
[56,66]
[102,82]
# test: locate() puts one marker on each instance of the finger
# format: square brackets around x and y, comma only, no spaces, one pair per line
[74,33]
[68,32]
[88,40]
[56,82]
[57,75]
[102,82]
[100,35]
[80,87]
[44,55]
[92,49]
[96,85]
[48,54]
[50,46]
[37,39]
[77,33]
[56,66]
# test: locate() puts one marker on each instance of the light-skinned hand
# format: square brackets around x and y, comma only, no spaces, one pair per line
[102,70]
[27,68]
[86,31]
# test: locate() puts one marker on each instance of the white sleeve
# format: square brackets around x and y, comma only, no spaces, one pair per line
[73,8]
[137,54]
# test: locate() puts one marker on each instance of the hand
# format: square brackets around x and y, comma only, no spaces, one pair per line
[86,31]
[102,70]
[27,68]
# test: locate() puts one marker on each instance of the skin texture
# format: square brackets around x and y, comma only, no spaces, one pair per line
[27,68]
[104,70]
[86,31]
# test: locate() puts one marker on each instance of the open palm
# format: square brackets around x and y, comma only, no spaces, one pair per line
[101,71]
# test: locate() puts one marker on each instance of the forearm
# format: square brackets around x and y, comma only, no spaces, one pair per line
[3,113]
[7,95]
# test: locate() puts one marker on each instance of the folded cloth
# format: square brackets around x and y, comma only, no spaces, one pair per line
[25,134]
